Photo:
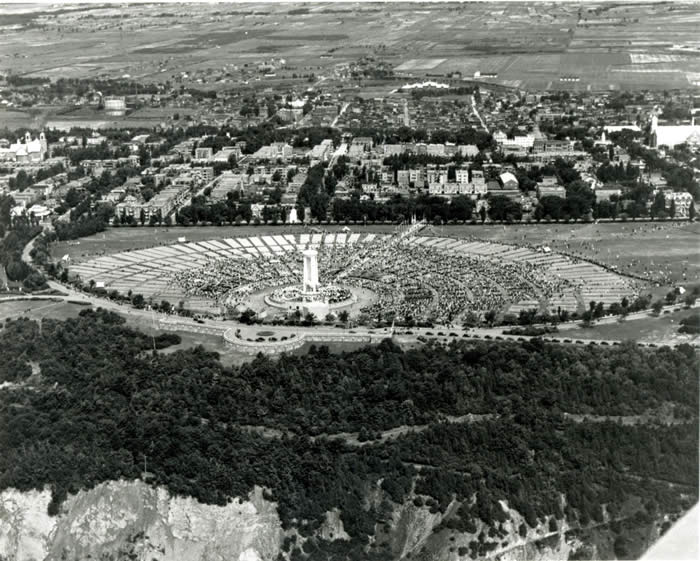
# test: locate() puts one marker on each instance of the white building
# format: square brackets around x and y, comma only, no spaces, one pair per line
[517,142]
[673,135]
[462,175]
[682,203]
[321,152]
[31,150]
[275,151]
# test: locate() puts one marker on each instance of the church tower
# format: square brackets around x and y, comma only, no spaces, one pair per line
[44,144]
[654,126]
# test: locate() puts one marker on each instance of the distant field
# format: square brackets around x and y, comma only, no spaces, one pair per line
[15,119]
[420,64]
[528,44]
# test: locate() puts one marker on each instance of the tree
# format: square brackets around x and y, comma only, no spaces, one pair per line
[502,208]
[551,207]
[691,211]
[343,316]
[138,301]
[247,317]
[659,205]
[689,300]
[580,199]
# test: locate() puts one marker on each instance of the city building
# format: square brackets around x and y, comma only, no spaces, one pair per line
[203,153]
[673,135]
[274,151]
[604,193]
[31,150]
[551,191]
[682,202]
[508,180]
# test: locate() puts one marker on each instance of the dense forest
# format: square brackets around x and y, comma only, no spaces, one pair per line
[107,397]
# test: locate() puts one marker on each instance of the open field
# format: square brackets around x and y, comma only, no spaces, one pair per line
[39,309]
[652,329]
[668,249]
[528,45]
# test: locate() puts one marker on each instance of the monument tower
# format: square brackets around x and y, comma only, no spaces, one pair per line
[310,285]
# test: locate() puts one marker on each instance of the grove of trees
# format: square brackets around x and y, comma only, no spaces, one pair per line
[105,399]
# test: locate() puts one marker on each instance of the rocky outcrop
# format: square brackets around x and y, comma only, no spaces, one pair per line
[132,520]
[412,526]
[332,527]
[25,526]
[125,518]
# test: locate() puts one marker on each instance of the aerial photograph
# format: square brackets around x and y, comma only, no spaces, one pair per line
[349,281]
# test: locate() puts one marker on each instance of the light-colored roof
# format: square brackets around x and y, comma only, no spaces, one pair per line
[507,176]
[672,135]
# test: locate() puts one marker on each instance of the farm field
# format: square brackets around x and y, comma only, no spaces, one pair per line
[527,45]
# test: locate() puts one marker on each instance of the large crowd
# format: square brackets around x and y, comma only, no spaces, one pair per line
[408,280]
[444,287]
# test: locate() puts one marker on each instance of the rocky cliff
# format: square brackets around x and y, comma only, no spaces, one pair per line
[122,519]
[131,520]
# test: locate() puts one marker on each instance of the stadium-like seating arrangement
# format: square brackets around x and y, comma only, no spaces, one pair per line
[420,276]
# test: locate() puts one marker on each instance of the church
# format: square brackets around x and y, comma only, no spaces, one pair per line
[673,135]
[28,151]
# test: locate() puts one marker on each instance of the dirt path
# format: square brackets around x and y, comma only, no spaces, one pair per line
[352,438]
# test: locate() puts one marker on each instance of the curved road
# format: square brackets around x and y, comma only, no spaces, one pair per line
[403,335]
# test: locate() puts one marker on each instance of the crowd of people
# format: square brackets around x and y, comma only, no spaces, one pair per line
[410,281]
[444,287]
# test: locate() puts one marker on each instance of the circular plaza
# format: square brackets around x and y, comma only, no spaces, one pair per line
[387,276]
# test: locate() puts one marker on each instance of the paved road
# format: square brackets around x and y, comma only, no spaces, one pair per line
[476,114]
[342,110]
[403,335]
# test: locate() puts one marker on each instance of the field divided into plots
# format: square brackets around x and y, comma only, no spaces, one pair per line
[530,45]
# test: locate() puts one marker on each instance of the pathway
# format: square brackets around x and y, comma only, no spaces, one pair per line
[476,114]
[340,114]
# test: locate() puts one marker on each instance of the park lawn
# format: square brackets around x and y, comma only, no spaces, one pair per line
[651,329]
[39,309]
[669,250]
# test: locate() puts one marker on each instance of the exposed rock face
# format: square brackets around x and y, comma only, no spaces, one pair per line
[121,518]
[412,526]
[25,525]
[333,528]
[132,520]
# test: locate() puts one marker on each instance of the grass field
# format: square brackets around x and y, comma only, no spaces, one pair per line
[38,309]
[660,330]
[669,250]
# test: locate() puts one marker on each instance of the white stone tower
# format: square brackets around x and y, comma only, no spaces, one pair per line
[310,271]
